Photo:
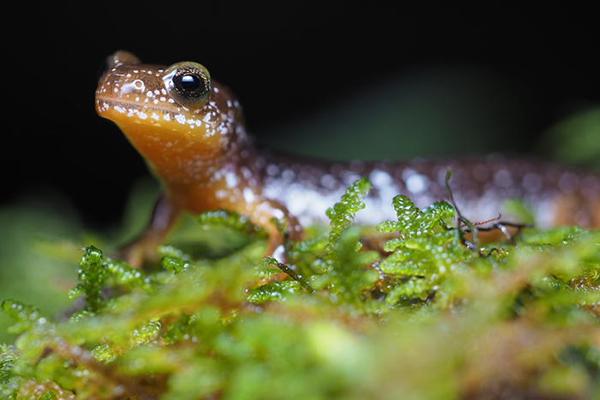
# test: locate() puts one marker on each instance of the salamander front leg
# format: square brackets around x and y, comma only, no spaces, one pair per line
[280,225]
[143,248]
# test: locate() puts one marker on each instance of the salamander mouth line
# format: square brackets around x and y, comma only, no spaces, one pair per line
[143,107]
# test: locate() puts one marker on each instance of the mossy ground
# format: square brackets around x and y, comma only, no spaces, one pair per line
[428,318]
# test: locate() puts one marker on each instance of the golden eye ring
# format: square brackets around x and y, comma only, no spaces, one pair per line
[188,83]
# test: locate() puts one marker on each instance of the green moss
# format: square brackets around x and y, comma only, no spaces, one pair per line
[342,213]
[95,274]
[7,360]
[426,318]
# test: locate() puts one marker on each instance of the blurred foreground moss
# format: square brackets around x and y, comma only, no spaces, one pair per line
[428,318]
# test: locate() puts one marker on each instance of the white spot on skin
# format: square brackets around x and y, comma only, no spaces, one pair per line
[380,178]
[231,179]
[246,173]
[350,178]
[567,182]
[272,169]
[532,182]
[328,181]
[302,201]
[249,195]
[417,183]
[503,178]
[544,212]
[288,175]
[279,253]
[267,208]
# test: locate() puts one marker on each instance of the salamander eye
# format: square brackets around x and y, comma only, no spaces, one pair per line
[188,83]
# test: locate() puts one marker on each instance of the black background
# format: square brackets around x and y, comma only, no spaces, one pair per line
[285,60]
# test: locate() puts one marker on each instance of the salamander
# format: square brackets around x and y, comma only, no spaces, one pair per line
[190,130]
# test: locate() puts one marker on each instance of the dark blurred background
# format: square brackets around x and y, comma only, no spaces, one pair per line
[349,79]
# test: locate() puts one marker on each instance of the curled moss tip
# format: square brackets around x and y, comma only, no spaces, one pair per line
[8,357]
[230,220]
[97,272]
[343,212]
[93,273]
[413,222]
[25,316]
[174,264]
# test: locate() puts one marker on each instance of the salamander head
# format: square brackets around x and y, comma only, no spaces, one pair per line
[180,120]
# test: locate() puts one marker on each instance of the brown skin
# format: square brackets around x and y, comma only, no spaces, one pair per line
[194,140]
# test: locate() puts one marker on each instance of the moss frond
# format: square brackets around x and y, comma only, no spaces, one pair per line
[423,316]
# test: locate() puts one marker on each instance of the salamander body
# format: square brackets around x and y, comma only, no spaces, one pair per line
[190,130]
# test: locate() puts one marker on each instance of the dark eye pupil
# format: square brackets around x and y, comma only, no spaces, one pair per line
[190,84]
